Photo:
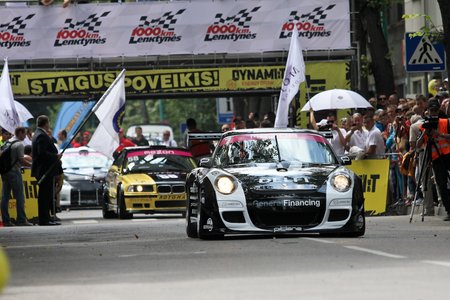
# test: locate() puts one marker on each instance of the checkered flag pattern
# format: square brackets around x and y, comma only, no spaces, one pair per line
[165,21]
[241,18]
[16,25]
[316,16]
[91,23]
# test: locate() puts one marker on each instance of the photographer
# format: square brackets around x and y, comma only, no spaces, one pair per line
[436,135]
[330,124]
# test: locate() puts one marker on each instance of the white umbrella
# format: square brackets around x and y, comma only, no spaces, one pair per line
[336,99]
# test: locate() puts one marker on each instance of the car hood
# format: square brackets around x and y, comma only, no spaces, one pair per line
[77,174]
[310,178]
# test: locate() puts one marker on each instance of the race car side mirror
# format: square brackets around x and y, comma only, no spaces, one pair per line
[205,162]
[346,161]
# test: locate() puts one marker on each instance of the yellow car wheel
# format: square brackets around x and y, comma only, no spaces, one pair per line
[4,270]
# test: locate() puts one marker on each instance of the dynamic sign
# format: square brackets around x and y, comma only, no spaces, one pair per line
[176,27]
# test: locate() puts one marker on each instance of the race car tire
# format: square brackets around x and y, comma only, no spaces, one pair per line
[203,217]
[107,214]
[123,214]
[191,227]
[359,225]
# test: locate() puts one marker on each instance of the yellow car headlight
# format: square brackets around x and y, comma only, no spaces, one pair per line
[341,182]
[135,188]
[225,185]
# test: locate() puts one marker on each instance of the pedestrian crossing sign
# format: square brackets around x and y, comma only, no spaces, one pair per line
[422,55]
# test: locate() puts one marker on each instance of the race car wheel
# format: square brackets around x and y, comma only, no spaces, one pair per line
[205,222]
[107,214]
[123,214]
[358,226]
[191,227]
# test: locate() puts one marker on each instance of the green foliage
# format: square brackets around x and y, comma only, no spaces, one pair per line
[429,30]
[365,66]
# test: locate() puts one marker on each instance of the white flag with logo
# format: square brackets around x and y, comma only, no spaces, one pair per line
[294,74]
[110,112]
[9,118]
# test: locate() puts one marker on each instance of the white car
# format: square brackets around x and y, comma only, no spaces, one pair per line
[84,173]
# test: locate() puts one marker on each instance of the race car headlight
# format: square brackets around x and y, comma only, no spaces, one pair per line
[225,185]
[135,188]
[341,182]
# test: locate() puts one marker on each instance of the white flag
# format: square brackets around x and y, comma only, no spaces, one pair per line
[9,118]
[110,112]
[294,74]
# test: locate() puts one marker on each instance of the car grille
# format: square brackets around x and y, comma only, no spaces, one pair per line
[266,208]
[174,188]
[85,198]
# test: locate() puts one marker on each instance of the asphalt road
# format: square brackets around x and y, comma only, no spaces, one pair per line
[151,258]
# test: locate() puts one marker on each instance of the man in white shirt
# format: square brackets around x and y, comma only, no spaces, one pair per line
[374,143]
[357,135]
[167,140]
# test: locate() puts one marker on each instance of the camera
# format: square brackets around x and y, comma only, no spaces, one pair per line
[327,127]
[431,122]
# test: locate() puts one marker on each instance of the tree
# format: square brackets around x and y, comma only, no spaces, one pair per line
[370,33]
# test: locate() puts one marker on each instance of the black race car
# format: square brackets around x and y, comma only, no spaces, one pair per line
[273,181]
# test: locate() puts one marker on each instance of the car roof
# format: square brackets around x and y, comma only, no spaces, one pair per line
[154,147]
[81,149]
[270,130]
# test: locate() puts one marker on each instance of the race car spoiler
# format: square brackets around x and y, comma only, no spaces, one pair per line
[206,136]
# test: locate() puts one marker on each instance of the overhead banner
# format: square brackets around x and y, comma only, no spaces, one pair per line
[147,82]
[164,28]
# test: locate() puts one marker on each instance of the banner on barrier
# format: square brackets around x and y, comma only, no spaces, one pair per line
[321,75]
[30,188]
[375,177]
[166,28]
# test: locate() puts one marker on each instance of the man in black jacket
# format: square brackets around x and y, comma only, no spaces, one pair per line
[46,162]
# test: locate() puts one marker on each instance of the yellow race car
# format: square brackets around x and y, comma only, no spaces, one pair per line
[147,180]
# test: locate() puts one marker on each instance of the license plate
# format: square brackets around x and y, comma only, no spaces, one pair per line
[171,197]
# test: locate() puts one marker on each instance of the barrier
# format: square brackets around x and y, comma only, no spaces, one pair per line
[375,177]
[30,188]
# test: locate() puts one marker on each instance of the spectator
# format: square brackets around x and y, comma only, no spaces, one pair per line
[266,123]
[382,101]
[27,156]
[225,128]
[239,123]
[167,140]
[85,138]
[123,142]
[445,85]
[357,136]
[139,139]
[6,135]
[46,162]
[380,119]
[374,142]
[12,181]
[373,102]
[63,142]
[198,148]
[338,141]
[393,99]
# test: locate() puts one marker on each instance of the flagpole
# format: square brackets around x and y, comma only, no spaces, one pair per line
[94,109]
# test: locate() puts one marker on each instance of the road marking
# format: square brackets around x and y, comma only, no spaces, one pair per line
[438,263]
[319,240]
[85,222]
[375,252]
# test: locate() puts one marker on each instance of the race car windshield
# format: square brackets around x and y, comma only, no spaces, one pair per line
[298,149]
[157,162]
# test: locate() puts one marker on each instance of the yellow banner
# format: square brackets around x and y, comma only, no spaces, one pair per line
[375,177]
[321,76]
[30,188]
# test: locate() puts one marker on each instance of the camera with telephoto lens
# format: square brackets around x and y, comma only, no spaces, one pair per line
[431,122]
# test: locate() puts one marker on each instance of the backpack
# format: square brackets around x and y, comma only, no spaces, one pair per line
[5,158]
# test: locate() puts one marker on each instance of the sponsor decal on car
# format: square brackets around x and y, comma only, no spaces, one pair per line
[287,203]
[287,229]
[171,197]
